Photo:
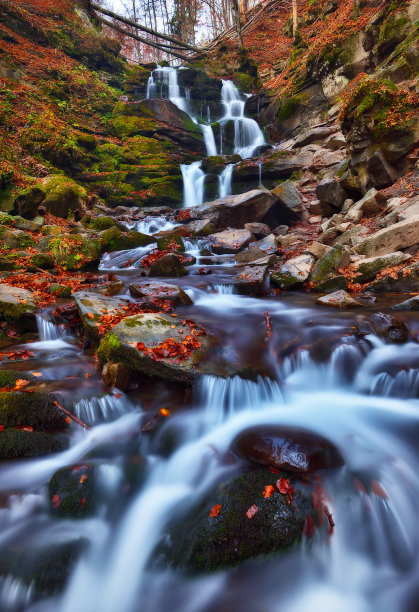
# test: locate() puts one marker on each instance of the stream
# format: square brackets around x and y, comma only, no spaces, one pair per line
[310,371]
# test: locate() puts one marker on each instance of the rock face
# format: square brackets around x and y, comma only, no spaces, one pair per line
[390,239]
[161,342]
[293,272]
[367,269]
[236,210]
[230,537]
[160,291]
[287,448]
[230,241]
[338,299]
[250,280]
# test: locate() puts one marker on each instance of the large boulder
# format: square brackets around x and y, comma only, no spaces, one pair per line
[293,272]
[367,269]
[238,522]
[288,195]
[250,280]
[335,258]
[27,202]
[157,345]
[287,448]
[73,252]
[406,280]
[15,303]
[168,266]
[160,291]
[62,195]
[235,210]
[390,239]
[331,192]
[93,306]
[385,326]
[372,202]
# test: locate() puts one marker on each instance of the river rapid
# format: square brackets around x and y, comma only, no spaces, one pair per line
[303,366]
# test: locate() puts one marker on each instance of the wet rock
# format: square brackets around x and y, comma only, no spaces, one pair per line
[60,291]
[411,305]
[333,284]
[390,239]
[367,269]
[15,303]
[208,543]
[24,409]
[331,192]
[287,448]
[200,227]
[338,299]
[329,263]
[168,265]
[406,280]
[72,492]
[17,444]
[93,306]
[235,210]
[250,280]
[248,255]
[230,241]
[112,288]
[289,196]
[160,339]
[259,230]
[386,326]
[116,375]
[161,291]
[169,241]
[293,272]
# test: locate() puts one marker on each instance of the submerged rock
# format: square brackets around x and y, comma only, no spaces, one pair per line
[244,524]
[17,444]
[386,326]
[72,491]
[287,448]
[410,305]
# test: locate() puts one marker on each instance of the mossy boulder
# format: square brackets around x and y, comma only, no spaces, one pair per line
[18,444]
[15,303]
[92,306]
[209,543]
[135,80]
[115,240]
[37,410]
[168,266]
[62,195]
[27,202]
[8,378]
[72,492]
[15,239]
[172,242]
[40,261]
[102,223]
[327,266]
[60,291]
[6,263]
[72,252]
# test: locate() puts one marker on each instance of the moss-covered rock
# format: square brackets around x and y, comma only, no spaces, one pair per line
[60,291]
[37,410]
[335,258]
[172,242]
[63,195]
[102,223]
[15,303]
[27,202]
[205,542]
[73,252]
[15,239]
[92,306]
[72,492]
[168,266]
[40,260]
[17,444]
[115,240]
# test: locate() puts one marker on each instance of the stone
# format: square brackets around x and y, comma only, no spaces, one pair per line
[380,173]
[367,269]
[411,210]
[202,542]
[15,239]
[315,219]
[268,244]
[19,444]
[331,192]
[288,194]
[293,272]
[317,249]
[320,208]
[62,195]
[287,448]
[115,240]
[154,335]
[269,260]
[27,202]
[335,283]
[335,142]
[390,239]
[250,280]
[385,326]
[259,230]
[410,305]
[281,230]
[73,252]
[352,236]
[338,299]
[92,306]
[200,227]
[230,241]
[329,263]
[116,375]
[72,492]
[160,291]
[324,158]
[372,202]
[406,280]
[15,303]
[252,253]
[312,134]
[167,266]
[172,242]
[235,210]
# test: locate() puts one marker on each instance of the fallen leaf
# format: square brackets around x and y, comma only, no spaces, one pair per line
[269,489]
[215,510]
[56,501]
[20,383]
[252,511]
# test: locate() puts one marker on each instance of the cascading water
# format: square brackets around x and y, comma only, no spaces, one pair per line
[225,180]
[193,184]
[209,140]
[164,80]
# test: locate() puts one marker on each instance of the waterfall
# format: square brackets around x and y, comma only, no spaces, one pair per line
[47,330]
[225,180]
[167,77]
[193,184]
[247,133]
[209,140]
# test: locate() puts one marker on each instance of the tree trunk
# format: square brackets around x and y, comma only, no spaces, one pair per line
[236,17]
[294,18]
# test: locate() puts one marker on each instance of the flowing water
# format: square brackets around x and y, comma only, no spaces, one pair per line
[306,369]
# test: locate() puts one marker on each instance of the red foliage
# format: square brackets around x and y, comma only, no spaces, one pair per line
[215,510]
[285,488]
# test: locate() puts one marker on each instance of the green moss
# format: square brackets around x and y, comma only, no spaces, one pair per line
[30,409]
[17,444]
[75,252]
[102,223]
[123,126]
[60,291]
[114,240]
[290,105]
[63,195]
[109,349]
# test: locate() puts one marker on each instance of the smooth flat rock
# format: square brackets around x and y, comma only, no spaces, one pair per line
[250,280]
[338,299]
[160,291]
[367,269]
[390,239]
[230,241]
[235,210]
[294,271]
[15,302]
[92,306]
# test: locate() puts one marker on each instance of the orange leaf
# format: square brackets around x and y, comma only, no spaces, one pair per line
[269,489]
[378,489]
[36,373]
[83,478]
[164,411]
[56,501]
[90,315]
[215,510]
[252,511]
[20,383]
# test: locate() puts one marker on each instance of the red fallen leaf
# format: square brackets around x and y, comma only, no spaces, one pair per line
[82,501]
[378,489]
[1,427]
[269,489]
[252,511]
[90,315]
[25,428]
[309,527]
[215,510]
[20,383]
[83,478]
[117,395]
[56,501]
[330,519]
[67,420]
[285,488]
